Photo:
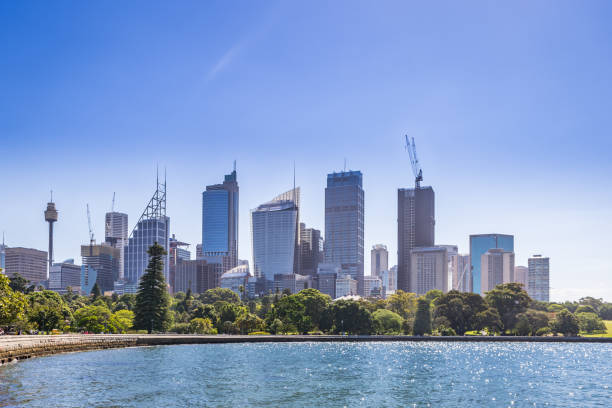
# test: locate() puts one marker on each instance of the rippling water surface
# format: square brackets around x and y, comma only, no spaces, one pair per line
[317,374]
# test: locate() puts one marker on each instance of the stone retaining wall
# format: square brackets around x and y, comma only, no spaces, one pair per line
[22,347]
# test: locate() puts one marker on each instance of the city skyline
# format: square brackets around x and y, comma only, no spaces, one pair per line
[511,127]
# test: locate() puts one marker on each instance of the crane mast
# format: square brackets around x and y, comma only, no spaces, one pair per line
[414,161]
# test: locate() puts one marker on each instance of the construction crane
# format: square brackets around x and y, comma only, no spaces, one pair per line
[414,161]
[92,241]
[113,205]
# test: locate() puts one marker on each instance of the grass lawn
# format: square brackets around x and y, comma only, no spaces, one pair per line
[608,334]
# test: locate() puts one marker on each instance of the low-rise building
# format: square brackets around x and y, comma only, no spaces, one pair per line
[346,286]
[236,280]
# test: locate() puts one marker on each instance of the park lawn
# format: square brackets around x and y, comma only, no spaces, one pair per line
[608,324]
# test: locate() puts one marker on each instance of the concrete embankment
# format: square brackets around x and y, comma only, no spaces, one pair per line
[22,347]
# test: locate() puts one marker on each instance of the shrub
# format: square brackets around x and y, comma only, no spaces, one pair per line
[446,331]
[386,321]
[179,328]
[544,331]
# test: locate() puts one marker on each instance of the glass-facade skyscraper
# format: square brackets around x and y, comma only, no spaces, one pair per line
[344,223]
[538,278]
[153,226]
[274,229]
[479,245]
[220,223]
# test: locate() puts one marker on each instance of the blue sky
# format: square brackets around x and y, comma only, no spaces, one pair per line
[509,105]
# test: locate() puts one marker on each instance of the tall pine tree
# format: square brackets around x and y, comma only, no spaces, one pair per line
[151,311]
[422,319]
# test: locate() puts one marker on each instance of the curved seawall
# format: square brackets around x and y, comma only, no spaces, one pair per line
[14,348]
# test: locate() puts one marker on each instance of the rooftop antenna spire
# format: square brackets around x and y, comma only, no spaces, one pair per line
[234,164]
[344,171]
[51,196]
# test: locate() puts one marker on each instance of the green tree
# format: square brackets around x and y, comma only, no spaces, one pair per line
[433,294]
[276,326]
[530,321]
[248,323]
[12,304]
[151,311]
[199,325]
[488,320]
[509,299]
[554,308]
[589,322]
[315,303]
[566,323]
[121,321]
[219,294]
[590,301]
[402,303]
[387,322]
[20,284]
[585,309]
[290,310]
[47,310]
[351,317]
[460,309]
[422,319]
[95,291]
[94,318]
[605,311]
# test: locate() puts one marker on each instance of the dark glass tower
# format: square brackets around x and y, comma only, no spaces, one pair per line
[415,228]
[220,223]
[344,223]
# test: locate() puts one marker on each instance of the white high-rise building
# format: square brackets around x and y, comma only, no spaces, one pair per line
[428,269]
[274,231]
[370,283]
[116,234]
[497,267]
[538,278]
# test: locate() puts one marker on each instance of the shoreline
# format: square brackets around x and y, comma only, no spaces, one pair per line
[15,348]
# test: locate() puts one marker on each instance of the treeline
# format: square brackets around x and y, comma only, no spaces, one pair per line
[506,310]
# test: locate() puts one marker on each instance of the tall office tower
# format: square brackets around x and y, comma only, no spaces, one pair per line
[64,275]
[175,256]
[2,255]
[520,275]
[311,250]
[428,269]
[460,271]
[274,232]
[197,275]
[480,244]
[379,259]
[496,267]
[104,259]
[152,226]
[220,222]
[31,264]
[344,223]
[51,217]
[451,251]
[116,235]
[538,278]
[415,228]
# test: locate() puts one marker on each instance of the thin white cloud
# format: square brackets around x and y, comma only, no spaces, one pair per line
[225,60]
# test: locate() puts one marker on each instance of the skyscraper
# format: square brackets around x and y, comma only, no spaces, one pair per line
[428,269]
[152,226]
[116,235]
[274,232]
[311,250]
[175,256]
[220,222]
[344,223]
[497,267]
[415,228]
[104,259]
[479,244]
[538,278]
[379,260]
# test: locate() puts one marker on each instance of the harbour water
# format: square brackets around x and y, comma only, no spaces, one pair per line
[399,374]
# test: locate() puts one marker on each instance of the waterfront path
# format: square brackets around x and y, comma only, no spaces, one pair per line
[22,347]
